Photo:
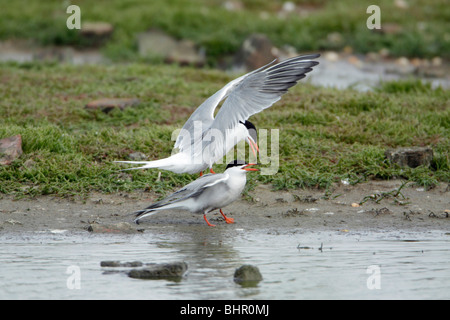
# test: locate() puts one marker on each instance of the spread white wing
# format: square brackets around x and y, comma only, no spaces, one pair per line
[244,96]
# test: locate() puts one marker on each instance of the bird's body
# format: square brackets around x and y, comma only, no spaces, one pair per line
[208,193]
[204,139]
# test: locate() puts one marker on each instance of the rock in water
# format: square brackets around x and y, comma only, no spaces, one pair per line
[170,271]
[410,157]
[247,275]
[114,264]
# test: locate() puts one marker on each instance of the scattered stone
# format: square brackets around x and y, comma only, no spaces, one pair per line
[401,4]
[256,51]
[155,43]
[158,44]
[137,156]
[50,54]
[116,264]
[66,54]
[305,199]
[433,71]
[288,6]
[436,61]
[10,149]
[382,211]
[186,54]
[335,39]
[247,275]
[233,5]
[108,104]
[416,62]
[331,56]
[347,50]
[402,61]
[171,271]
[96,33]
[384,53]
[410,157]
[285,52]
[355,61]
[123,176]
[292,213]
[121,227]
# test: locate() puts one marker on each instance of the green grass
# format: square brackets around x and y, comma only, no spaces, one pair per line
[325,134]
[423,25]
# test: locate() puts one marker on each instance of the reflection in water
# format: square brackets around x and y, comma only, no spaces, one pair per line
[321,265]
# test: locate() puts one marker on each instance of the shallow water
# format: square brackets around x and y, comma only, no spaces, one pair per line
[294,264]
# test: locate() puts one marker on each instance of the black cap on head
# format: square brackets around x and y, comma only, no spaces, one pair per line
[236,163]
[248,125]
[251,129]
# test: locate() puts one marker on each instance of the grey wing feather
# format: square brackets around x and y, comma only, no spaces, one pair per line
[257,91]
[193,189]
[261,90]
[205,112]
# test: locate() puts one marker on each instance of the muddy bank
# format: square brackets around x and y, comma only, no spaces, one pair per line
[375,205]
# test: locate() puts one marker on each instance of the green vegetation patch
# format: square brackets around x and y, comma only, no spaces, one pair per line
[325,135]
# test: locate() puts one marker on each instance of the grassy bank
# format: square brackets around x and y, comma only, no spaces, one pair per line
[413,28]
[326,135]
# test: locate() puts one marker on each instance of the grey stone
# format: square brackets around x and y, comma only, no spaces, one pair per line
[247,275]
[430,71]
[96,33]
[10,149]
[410,157]
[156,43]
[121,264]
[170,271]
[186,53]
[137,156]
[256,51]
[108,104]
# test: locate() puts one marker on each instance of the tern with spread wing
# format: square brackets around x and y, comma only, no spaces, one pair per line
[207,193]
[204,139]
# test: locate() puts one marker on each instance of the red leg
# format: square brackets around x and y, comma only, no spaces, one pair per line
[209,224]
[201,173]
[211,170]
[227,220]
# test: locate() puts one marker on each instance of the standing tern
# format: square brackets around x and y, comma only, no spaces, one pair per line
[207,193]
[204,139]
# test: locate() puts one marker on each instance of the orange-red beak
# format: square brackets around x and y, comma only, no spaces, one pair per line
[254,147]
[250,169]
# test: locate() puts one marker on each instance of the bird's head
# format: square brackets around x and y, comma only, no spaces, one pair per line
[252,136]
[241,165]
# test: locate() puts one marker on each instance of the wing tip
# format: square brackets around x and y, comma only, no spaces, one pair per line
[141,214]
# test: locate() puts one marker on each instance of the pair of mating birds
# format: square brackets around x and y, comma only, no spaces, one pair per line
[200,148]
